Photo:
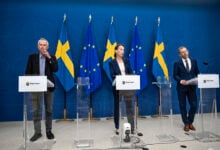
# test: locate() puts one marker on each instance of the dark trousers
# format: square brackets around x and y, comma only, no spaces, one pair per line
[190,94]
[37,99]
[129,111]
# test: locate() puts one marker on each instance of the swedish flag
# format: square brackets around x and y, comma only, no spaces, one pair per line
[89,63]
[136,58]
[63,54]
[110,51]
[159,67]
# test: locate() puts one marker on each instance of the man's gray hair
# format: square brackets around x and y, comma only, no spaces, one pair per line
[43,39]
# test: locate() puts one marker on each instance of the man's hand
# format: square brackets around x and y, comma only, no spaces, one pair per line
[183,82]
[46,54]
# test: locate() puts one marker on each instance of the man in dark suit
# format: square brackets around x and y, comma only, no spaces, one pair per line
[186,69]
[44,64]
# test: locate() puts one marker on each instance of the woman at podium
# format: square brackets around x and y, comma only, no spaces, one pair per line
[119,66]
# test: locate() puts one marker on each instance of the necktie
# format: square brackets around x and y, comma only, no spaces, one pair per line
[187,65]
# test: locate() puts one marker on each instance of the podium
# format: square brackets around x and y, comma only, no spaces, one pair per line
[165,102]
[83,127]
[165,114]
[207,127]
[127,86]
[29,85]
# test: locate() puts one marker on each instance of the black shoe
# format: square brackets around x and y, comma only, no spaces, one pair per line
[140,134]
[35,137]
[50,135]
[133,131]
[116,132]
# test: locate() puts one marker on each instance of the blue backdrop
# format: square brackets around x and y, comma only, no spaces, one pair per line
[195,25]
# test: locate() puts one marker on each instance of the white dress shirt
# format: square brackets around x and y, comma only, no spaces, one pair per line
[122,68]
[189,62]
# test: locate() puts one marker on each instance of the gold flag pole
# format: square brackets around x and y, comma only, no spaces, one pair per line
[64,107]
[159,115]
[90,109]
[112,20]
[136,107]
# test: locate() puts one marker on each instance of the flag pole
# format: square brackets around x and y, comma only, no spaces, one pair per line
[137,109]
[91,109]
[64,110]
[64,102]
[159,103]
[64,107]
[159,93]
[158,21]
[64,17]
[136,20]
[90,18]
[136,96]
[112,19]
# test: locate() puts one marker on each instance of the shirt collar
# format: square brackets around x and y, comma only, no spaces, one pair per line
[41,56]
[185,59]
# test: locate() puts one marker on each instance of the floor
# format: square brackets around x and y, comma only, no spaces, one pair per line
[159,133]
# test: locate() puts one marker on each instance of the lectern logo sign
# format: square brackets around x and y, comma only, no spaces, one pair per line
[205,81]
[123,82]
[31,83]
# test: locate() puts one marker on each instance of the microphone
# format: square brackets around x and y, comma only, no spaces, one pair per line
[205,63]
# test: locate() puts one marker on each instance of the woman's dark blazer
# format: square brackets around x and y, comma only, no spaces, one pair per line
[115,70]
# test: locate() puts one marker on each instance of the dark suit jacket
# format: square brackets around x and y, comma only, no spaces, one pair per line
[180,73]
[115,70]
[51,66]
